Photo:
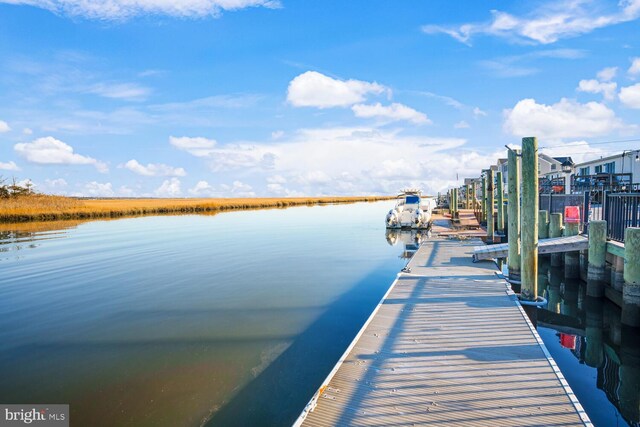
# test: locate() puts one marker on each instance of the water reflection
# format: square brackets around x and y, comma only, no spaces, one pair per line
[411,239]
[595,352]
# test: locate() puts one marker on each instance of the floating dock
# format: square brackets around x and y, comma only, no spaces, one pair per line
[448,345]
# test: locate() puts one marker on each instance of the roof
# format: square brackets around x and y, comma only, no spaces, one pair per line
[565,160]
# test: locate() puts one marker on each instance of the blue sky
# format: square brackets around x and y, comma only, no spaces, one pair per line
[231,98]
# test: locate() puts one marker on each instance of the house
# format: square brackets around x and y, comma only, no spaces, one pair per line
[610,172]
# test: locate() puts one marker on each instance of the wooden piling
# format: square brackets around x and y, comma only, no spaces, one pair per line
[500,191]
[597,258]
[572,258]
[543,224]
[631,288]
[484,199]
[490,201]
[555,230]
[513,186]
[529,256]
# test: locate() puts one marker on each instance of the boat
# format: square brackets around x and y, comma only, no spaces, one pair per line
[412,210]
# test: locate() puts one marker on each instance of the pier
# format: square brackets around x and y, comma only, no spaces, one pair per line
[449,344]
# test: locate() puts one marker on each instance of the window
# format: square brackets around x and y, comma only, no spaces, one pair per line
[553,167]
[610,167]
[410,200]
[599,169]
[585,171]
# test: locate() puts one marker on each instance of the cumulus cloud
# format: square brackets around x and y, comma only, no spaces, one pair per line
[51,151]
[579,151]
[630,96]
[236,189]
[196,146]
[153,169]
[607,89]
[313,89]
[391,113]
[634,69]
[98,189]
[547,23]
[477,112]
[4,126]
[355,160]
[9,166]
[461,125]
[607,74]
[169,188]
[565,119]
[123,9]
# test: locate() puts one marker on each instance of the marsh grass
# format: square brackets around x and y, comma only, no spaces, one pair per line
[38,207]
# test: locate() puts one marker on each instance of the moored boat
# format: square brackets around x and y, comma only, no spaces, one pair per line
[412,210]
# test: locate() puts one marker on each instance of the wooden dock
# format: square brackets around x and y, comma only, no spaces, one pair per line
[545,246]
[450,346]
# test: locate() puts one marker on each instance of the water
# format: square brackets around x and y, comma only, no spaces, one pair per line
[599,357]
[232,319]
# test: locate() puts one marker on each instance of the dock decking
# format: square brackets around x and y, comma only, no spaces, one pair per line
[447,346]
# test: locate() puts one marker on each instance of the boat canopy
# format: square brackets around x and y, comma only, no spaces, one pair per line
[412,199]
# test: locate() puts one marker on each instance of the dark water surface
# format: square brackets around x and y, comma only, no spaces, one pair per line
[599,357]
[232,319]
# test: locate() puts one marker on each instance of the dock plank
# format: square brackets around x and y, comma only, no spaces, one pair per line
[448,345]
[545,246]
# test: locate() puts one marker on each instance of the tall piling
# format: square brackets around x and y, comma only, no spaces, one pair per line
[572,258]
[484,199]
[543,224]
[530,202]
[597,258]
[631,287]
[555,230]
[500,195]
[490,201]
[467,196]
[513,187]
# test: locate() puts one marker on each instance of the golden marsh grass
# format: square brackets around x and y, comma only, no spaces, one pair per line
[49,208]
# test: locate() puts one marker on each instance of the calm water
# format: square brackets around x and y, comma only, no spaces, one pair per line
[232,319]
[598,356]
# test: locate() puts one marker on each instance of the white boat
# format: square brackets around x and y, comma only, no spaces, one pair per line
[412,210]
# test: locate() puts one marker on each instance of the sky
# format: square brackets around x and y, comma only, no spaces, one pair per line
[244,98]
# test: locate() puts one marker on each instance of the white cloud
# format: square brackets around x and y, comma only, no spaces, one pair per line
[153,169]
[634,69]
[607,74]
[27,131]
[313,89]
[630,96]
[169,188]
[9,166]
[477,112]
[565,119]
[579,151]
[98,189]
[461,125]
[196,146]
[547,23]
[524,64]
[56,183]
[4,126]
[51,151]
[277,134]
[126,91]
[123,9]
[358,160]
[237,189]
[607,89]
[391,113]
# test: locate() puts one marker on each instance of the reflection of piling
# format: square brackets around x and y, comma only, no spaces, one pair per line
[529,257]
[570,297]
[543,224]
[617,273]
[490,202]
[556,275]
[597,258]
[555,230]
[513,187]
[594,354]
[628,394]
[631,289]
[543,276]
[571,258]
[500,191]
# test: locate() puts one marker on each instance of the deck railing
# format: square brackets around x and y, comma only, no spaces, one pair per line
[620,210]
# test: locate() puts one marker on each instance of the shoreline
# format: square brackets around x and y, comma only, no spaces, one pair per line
[65,208]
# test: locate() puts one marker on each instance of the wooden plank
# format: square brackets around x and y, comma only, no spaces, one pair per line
[545,246]
[615,248]
[446,347]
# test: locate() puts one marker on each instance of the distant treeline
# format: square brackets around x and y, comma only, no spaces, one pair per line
[14,189]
